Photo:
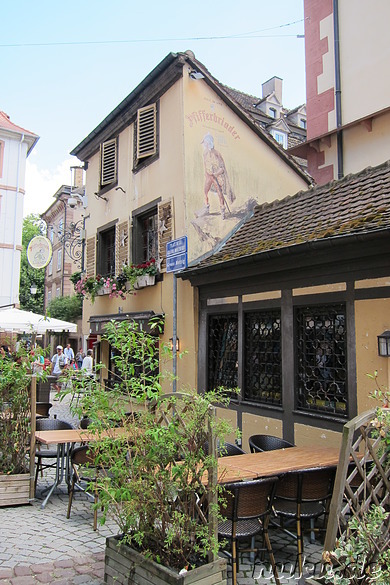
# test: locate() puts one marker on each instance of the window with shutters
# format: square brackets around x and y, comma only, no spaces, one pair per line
[105,265]
[146,136]
[108,162]
[145,234]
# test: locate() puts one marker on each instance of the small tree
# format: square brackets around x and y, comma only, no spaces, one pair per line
[32,226]
[66,308]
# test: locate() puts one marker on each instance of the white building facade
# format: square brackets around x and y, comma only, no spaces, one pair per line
[16,144]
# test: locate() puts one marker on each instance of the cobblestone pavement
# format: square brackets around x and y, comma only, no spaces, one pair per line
[42,546]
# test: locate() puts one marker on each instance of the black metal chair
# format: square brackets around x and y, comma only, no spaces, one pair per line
[247,513]
[258,443]
[42,453]
[301,496]
[84,470]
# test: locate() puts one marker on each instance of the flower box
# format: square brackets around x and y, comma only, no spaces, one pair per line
[123,564]
[145,280]
[14,489]
[105,290]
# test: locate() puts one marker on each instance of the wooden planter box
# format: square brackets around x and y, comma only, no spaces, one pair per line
[123,565]
[14,489]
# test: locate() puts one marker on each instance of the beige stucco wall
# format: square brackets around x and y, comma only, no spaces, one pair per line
[365,57]
[363,148]
[305,436]
[372,318]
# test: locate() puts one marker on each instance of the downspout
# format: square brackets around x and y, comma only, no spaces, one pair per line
[63,252]
[336,31]
[15,220]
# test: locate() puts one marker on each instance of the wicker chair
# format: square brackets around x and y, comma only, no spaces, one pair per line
[83,470]
[42,409]
[48,424]
[247,513]
[304,495]
[225,450]
[259,443]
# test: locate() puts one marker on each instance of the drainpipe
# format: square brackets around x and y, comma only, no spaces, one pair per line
[15,219]
[63,252]
[340,157]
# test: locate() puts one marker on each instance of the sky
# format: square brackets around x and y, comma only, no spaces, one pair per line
[66,65]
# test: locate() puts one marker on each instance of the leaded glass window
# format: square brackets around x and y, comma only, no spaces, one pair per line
[321,359]
[263,367]
[222,351]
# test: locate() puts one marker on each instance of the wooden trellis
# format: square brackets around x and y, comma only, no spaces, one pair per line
[363,475]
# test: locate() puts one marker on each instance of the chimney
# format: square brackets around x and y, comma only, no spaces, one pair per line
[78,176]
[275,84]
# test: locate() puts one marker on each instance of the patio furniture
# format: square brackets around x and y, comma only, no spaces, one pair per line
[304,495]
[247,513]
[48,424]
[259,443]
[83,470]
[226,449]
[42,409]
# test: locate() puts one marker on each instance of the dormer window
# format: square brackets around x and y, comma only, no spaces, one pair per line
[272,112]
[280,137]
[302,123]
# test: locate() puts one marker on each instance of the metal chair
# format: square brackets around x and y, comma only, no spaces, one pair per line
[48,424]
[83,470]
[304,495]
[258,443]
[247,513]
[42,409]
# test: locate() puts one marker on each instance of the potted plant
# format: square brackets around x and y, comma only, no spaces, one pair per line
[151,478]
[141,275]
[15,425]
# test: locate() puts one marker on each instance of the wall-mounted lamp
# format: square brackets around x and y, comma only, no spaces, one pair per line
[33,288]
[384,344]
[177,343]
[195,74]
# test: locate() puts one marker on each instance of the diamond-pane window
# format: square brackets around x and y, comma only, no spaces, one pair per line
[263,365]
[321,359]
[223,351]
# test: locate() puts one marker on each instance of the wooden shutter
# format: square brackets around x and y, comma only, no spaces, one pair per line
[165,230]
[91,256]
[146,131]
[122,245]
[108,161]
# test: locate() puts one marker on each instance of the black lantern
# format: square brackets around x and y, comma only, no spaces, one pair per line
[384,344]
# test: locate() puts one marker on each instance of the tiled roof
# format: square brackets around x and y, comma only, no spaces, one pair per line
[356,204]
[6,123]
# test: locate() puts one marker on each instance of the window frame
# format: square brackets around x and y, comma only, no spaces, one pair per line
[138,216]
[101,249]
[59,259]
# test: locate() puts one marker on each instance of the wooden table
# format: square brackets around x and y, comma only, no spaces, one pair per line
[278,462]
[64,439]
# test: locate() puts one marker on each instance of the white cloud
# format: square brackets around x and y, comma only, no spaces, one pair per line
[41,184]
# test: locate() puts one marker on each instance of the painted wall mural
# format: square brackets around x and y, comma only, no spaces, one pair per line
[218,174]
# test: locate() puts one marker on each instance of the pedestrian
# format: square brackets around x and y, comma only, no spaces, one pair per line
[68,352]
[59,363]
[88,363]
[79,358]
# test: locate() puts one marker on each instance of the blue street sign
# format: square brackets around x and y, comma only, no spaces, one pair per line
[178,262]
[178,246]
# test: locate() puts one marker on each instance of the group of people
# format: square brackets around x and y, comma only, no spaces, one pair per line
[64,359]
